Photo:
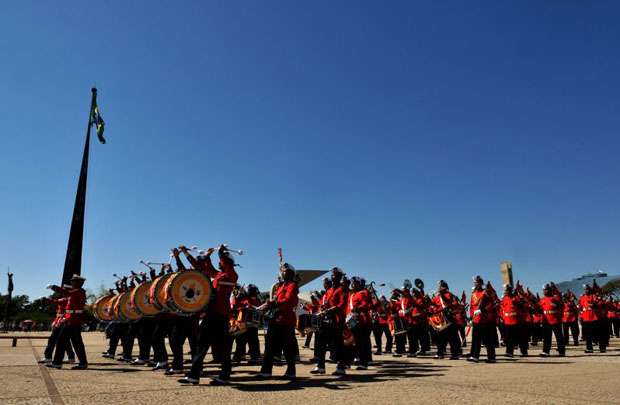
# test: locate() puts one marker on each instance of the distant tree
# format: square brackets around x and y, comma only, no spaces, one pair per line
[612,287]
[18,303]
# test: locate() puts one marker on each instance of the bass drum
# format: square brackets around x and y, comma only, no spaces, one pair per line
[125,308]
[114,309]
[101,308]
[140,300]
[157,292]
[187,291]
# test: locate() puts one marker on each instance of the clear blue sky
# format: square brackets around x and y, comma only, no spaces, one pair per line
[395,140]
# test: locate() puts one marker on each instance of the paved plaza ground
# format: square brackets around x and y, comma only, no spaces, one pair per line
[575,379]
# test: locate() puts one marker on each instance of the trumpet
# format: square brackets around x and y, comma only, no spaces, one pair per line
[222,247]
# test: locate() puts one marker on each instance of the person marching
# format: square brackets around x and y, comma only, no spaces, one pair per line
[281,331]
[249,299]
[71,324]
[422,303]
[405,309]
[360,304]
[570,319]
[447,303]
[214,327]
[588,303]
[332,310]
[553,310]
[511,308]
[483,314]
[312,308]
[61,303]
[380,325]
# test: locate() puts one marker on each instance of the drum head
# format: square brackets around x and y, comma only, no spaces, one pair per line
[140,300]
[126,309]
[189,291]
[100,309]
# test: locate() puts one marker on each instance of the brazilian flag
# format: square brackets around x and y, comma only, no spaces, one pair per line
[98,122]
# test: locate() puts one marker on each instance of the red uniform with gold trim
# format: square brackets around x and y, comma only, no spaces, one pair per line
[510,310]
[588,304]
[552,309]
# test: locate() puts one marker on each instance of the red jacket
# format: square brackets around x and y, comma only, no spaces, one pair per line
[553,310]
[571,312]
[74,307]
[379,313]
[448,301]
[60,311]
[405,310]
[223,283]
[360,303]
[509,310]
[588,304]
[335,297]
[286,300]
[483,302]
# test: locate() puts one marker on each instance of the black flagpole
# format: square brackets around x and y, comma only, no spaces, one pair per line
[9,297]
[73,260]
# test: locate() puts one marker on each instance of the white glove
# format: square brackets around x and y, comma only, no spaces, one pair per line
[477,312]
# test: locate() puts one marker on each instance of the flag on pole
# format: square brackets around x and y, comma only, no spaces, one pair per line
[73,259]
[98,122]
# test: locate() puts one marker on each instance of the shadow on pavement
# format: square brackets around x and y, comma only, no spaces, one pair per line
[388,370]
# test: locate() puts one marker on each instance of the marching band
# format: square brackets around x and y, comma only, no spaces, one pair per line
[207,307]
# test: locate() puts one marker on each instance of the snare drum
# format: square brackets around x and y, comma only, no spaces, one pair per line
[438,321]
[253,318]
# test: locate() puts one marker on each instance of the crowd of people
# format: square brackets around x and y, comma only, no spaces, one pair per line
[342,318]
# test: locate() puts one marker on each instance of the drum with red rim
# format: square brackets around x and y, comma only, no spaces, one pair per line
[141,302]
[125,308]
[101,308]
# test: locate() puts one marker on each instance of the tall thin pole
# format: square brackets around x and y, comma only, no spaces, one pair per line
[9,298]
[73,260]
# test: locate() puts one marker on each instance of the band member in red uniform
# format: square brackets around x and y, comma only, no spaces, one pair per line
[588,303]
[615,319]
[281,331]
[250,337]
[180,327]
[360,305]
[380,325]
[333,309]
[56,327]
[405,311]
[422,303]
[510,312]
[553,310]
[214,327]
[71,324]
[447,303]
[484,322]
[570,318]
[603,321]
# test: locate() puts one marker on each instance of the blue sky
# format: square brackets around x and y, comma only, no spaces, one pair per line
[408,139]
